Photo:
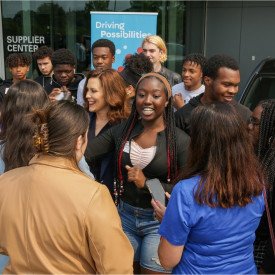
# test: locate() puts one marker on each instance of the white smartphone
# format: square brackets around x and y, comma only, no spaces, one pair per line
[156,190]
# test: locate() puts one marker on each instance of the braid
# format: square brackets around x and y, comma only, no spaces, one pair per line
[129,125]
[266,145]
[171,143]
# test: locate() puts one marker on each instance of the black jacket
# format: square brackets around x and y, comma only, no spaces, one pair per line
[72,86]
[43,80]
[183,115]
[103,168]
[173,77]
[3,88]
[157,168]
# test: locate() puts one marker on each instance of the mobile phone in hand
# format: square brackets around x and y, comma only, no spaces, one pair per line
[156,190]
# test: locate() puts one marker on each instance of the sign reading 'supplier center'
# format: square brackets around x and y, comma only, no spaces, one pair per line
[24,43]
[126,29]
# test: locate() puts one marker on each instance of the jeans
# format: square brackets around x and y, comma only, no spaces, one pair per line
[141,228]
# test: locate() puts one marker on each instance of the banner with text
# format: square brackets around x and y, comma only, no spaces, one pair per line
[126,29]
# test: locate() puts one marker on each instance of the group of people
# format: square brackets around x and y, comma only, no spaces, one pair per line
[77,153]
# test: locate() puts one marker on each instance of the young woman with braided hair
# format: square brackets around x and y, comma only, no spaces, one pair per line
[53,218]
[147,146]
[262,127]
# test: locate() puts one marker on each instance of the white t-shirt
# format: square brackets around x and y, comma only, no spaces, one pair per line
[80,90]
[186,95]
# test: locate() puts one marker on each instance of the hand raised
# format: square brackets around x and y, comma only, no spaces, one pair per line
[136,176]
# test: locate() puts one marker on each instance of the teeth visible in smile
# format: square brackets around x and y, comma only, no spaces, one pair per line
[147,111]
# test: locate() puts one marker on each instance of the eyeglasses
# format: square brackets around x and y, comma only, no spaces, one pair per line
[254,121]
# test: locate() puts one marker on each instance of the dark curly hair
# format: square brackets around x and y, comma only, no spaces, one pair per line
[218,61]
[134,67]
[106,43]
[43,52]
[18,59]
[196,58]
[63,56]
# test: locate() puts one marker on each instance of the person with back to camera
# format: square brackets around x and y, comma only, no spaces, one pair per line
[135,66]
[262,128]
[43,59]
[64,82]
[57,220]
[107,103]
[154,47]
[192,73]
[214,210]
[221,77]
[147,146]
[16,133]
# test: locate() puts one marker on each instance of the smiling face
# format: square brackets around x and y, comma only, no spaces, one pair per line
[224,87]
[191,75]
[151,99]
[95,96]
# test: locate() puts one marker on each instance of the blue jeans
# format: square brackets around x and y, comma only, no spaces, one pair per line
[141,228]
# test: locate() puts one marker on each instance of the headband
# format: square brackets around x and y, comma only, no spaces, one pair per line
[162,79]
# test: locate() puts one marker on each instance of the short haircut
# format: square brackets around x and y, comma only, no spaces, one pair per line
[158,41]
[43,52]
[134,67]
[218,61]
[63,56]
[106,43]
[18,59]
[196,58]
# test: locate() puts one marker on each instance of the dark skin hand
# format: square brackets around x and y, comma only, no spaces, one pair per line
[136,176]
[159,208]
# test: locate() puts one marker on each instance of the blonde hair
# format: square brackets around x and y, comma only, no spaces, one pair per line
[157,40]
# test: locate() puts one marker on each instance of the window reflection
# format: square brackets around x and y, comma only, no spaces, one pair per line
[66,24]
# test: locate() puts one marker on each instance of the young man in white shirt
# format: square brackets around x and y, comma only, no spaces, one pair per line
[192,73]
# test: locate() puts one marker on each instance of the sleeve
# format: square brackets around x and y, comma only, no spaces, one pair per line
[79,96]
[109,246]
[181,121]
[175,225]
[183,142]
[100,145]
[177,78]
[82,165]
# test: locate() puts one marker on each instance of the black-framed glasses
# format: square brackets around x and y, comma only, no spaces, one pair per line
[254,121]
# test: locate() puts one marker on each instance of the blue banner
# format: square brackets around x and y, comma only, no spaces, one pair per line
[126,29]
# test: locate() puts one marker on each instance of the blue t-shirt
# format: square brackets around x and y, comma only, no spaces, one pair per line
[216,240]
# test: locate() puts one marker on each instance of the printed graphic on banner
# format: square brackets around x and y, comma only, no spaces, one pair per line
[125,29]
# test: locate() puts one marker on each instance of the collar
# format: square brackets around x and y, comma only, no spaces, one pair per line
[138,129]
[59,162]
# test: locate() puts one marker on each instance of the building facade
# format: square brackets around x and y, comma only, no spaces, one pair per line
[242,29]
